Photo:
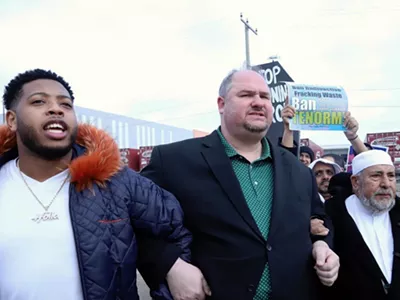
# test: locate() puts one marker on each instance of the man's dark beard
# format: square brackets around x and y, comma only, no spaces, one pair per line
[28,138]
[320,189]
[255,129]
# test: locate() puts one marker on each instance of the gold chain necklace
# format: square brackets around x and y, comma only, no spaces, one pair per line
[46,216]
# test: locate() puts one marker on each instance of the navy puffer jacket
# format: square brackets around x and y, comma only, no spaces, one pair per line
[112,207]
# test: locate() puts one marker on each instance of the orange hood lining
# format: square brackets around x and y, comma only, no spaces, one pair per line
[100,162]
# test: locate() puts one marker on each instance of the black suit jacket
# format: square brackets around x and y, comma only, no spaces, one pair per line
[227,245]
[360,277]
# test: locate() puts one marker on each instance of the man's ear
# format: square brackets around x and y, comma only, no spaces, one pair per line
[11,120]
[221,105]
[355,182]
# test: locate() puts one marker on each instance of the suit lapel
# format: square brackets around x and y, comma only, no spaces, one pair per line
[360,249]
[282,173]
[219,163]
[395,220]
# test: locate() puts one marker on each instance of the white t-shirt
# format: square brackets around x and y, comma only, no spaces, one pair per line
[376,230]
[38,261]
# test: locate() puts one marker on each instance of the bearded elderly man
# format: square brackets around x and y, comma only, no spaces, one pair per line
[247,202]
[367,231]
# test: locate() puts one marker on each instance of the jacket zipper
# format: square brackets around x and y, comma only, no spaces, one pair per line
[85,297]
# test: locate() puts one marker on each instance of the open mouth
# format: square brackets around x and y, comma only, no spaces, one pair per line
[259,114]
[55,130]
[55,127]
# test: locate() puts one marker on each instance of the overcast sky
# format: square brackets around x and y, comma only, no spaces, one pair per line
[163,60]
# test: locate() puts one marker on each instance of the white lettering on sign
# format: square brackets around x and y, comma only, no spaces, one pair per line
[278,97]
[278,93]
[277,113]
[270,75]
[304,104]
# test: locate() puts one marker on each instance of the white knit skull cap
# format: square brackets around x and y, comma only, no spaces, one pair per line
[370,158]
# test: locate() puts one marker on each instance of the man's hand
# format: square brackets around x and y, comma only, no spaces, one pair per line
[318,228]
[351,125]
[186,282]
[288,113]
[326,263]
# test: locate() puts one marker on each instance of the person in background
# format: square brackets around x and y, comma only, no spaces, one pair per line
[323,171]
[247,202]
[336,159]
[306,155]
[367,231]
[71,216]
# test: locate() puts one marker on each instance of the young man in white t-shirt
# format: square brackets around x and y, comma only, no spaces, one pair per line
[72,219]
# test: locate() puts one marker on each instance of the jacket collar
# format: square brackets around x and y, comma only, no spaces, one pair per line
[95,158]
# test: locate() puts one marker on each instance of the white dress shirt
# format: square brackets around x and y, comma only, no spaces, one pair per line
[376,231]
[321,198]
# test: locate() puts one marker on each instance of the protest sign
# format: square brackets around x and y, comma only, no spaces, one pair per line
[352,153]
[276,77]
[317,107]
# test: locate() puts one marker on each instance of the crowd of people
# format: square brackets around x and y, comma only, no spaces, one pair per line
[226,216]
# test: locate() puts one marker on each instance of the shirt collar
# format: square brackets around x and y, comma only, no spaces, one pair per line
[231,152]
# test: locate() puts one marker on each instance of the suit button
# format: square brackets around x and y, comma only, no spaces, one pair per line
[251,288]
[398,224]
[269,247]
[397,254]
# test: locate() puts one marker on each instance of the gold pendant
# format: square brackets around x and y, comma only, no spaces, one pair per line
[46,216]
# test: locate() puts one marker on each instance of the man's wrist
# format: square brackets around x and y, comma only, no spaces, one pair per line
[287,128]
[176,265]
[320,243]
[351,135]
[351,139]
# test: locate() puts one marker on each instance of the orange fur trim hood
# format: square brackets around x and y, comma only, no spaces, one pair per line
[99,163]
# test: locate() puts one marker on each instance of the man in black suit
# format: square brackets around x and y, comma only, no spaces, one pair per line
[367,230]
[247,202]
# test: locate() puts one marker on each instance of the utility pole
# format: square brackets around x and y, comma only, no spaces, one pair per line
[247,28]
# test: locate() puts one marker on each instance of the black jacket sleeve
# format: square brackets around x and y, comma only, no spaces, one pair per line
[292,150]
[318,211]
[156,256]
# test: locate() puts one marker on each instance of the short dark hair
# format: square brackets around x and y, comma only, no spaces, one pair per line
[13,90]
